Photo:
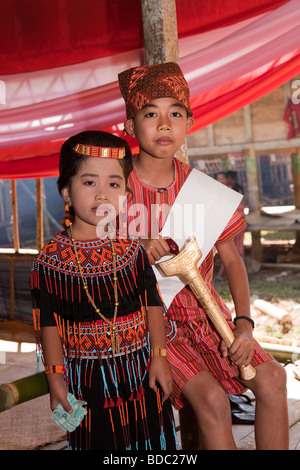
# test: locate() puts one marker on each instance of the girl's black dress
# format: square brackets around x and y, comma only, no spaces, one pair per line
[122,411]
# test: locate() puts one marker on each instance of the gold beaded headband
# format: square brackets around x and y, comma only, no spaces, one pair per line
[101,152]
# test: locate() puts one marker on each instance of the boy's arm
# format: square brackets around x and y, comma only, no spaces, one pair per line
[159,367]
[156,248]
[53,355]
[241,351]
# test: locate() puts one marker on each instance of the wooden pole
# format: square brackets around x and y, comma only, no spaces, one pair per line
[12,288]
[39,215]
[161,45]
[253,200]
[160,31]
[161,40]
[14,203]
[296,181]
[296,178]
[16,238]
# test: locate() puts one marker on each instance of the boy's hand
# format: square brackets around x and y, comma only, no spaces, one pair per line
[160,372]
[242,349]
[58,392]
[156,248]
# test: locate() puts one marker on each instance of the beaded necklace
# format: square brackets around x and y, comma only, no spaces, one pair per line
[115,346]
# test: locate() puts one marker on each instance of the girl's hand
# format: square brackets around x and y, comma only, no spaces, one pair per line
[156,248]
[242,349]
[58,392]
[160,372]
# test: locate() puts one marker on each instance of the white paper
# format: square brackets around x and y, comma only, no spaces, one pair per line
[202,208]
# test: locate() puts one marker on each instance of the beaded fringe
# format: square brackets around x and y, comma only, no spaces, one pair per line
[88,346]
[129,366]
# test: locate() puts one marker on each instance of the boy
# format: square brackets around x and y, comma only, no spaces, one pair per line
[204,371]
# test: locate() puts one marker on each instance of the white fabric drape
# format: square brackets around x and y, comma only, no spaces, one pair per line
[45,107]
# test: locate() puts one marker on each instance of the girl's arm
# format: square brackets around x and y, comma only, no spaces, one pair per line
[159,368]
[241,351]
[53,355]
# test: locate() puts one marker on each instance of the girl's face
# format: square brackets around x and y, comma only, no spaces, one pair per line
[96,194]
[160,127]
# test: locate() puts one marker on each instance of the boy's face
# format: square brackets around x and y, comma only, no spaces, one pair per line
[160,127]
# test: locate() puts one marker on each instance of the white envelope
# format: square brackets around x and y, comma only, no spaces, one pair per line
[202,208]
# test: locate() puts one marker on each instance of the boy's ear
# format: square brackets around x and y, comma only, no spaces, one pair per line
[189,123]
[129,127]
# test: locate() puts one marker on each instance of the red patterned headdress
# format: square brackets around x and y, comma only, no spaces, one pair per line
[101,152]
[140,85]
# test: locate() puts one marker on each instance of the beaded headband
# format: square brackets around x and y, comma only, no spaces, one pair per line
[101,152]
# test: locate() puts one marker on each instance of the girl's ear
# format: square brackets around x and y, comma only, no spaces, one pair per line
[129,127]
[65,192]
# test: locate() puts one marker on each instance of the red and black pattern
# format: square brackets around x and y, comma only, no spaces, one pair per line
[140,85]
[95,256]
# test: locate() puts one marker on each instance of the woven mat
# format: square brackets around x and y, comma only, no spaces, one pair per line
[29,425]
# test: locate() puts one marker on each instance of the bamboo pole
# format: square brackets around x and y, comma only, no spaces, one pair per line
[28,388]
[34,386]
[282,352]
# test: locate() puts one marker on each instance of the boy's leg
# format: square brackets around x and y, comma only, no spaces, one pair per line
[211,406]
[271,419]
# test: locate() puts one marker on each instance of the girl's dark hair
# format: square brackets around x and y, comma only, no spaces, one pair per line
[70,160]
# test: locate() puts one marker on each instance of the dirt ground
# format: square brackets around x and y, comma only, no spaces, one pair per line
[279,286]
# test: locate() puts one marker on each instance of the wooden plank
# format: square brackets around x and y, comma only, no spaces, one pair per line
[283,145]
[17,331]
[295,437]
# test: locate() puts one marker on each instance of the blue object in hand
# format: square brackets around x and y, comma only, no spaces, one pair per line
[70,421]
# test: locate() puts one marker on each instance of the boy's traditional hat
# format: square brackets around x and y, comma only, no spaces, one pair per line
[140,85]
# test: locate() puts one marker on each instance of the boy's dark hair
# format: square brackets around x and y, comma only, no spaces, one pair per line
[70,160]
[231,174]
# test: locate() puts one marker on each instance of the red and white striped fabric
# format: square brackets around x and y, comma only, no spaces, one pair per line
[230,54]
[195,347]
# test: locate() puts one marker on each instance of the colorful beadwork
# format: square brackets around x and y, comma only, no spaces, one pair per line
[54,369]
[115,387]
[100,152]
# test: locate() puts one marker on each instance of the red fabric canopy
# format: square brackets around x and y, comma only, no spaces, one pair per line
[36,35]
[60,62]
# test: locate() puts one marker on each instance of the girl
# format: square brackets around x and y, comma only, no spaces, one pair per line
[95,304]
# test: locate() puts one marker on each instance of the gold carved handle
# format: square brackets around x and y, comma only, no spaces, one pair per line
[211,308]
[185,264]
